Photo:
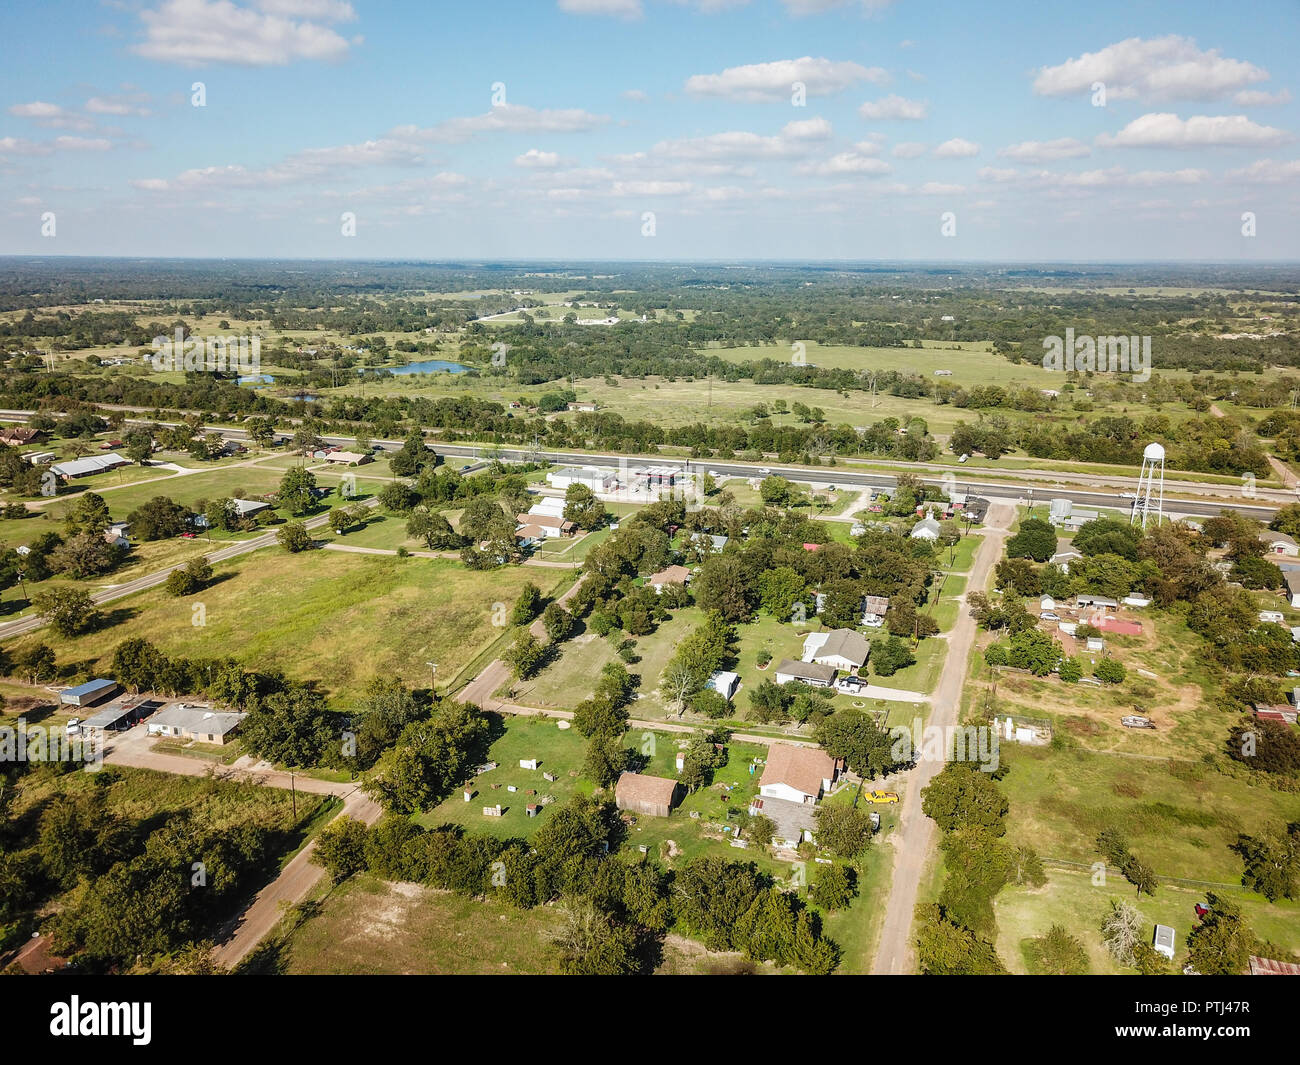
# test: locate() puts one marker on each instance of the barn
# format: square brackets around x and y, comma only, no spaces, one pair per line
[641,794]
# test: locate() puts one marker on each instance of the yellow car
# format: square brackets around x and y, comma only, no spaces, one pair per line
[882,796]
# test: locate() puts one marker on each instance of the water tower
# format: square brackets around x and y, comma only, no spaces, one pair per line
[1150,498]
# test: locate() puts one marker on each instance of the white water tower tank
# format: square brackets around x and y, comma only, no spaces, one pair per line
[1154,453]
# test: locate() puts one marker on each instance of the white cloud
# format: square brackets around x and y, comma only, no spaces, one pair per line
[507,118]
[118,105]
[52,116]
[535,158]
[636,96]
[1111,177]
[328,10]
[1199,131]
[1046,151]
[1260,98]
[650,188]
[808,129]
[909,149]
[1267,172]
[957,148]
[769,82]
[938,188]
[619,8]
[311,164]
[860,160]
[83,144]
[20,146]
[795,139]
[1159,68]
[198,32]
[817,7]
[892,106]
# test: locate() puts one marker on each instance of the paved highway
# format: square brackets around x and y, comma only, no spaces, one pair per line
[992,490]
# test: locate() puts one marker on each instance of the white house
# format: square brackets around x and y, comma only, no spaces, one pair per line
[840,648]
[1281,544]
[1163,941]
[810,673]
[925,529]
[1292,578]
[798,774]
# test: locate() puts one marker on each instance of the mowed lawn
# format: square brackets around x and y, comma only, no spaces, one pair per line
[373,927]
[560,752]
[336,618]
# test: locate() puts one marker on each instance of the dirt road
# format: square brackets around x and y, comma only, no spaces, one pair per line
[293,884]
[913,840]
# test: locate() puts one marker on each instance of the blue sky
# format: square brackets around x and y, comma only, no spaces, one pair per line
[651,129]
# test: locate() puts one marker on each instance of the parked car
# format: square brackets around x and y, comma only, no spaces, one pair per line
[1047,615]
[1202,910]
[885,797]
[73,727]
[187,536]
[875,821]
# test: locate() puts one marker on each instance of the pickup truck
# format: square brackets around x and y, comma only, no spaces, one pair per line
[882,796]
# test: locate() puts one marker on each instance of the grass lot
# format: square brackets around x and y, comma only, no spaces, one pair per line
[372,927]
[570,678]
[335,618]
[1179,817]
[1070,899]
[143,793]
[560,752]
[1178,700]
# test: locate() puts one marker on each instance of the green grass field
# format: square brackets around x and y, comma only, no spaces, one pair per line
[372,927]
[335,618]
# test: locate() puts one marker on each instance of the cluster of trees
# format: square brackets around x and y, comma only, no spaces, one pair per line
[956,934]
[80,551]
[615,913]
[709,647]
[1114,849]
[431,755]
[148,890]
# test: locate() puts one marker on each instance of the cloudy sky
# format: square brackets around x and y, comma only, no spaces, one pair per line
[651,129]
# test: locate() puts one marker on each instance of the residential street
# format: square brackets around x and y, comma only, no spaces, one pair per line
[913,840]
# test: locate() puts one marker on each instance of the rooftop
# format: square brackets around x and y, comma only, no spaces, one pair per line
[802,768]
[638,787]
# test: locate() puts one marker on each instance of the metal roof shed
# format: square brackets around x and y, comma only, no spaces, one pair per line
[111,718]
[90,693]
